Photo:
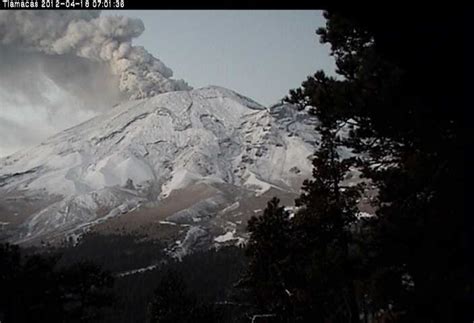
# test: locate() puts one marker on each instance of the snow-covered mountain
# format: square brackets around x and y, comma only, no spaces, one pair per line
[192,166]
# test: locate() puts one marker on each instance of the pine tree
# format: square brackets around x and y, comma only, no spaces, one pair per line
[409,138]
[414,261]
[173,302]
[327,212]
[268,251]
[302,269]
[36,289]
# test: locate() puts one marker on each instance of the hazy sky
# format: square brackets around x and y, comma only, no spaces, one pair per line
[260,54]
[49,80]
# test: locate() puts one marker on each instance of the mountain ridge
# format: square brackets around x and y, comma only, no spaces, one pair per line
[140,152]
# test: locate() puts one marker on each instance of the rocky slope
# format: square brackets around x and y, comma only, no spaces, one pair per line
[191,166]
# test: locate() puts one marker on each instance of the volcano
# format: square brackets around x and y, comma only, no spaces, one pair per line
[192,166]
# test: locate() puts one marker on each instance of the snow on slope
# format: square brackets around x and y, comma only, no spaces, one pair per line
[144,150]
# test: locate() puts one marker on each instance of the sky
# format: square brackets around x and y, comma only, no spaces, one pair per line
[260,54]
[55,70]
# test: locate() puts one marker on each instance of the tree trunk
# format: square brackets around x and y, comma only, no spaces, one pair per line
[353,303]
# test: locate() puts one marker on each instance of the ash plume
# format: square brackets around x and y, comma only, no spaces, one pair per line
[88,35]
[60,68]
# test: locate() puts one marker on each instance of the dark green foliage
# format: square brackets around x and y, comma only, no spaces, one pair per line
[410,139]
[268,252]
[172,302]
[50,287]
[197,289]
[406,127]
[209,275]
[399,99]
[88,290]
[35,289]
[115,252]
[327,211]
[301,269]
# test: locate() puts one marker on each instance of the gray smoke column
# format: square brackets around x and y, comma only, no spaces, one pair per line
[88,35]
